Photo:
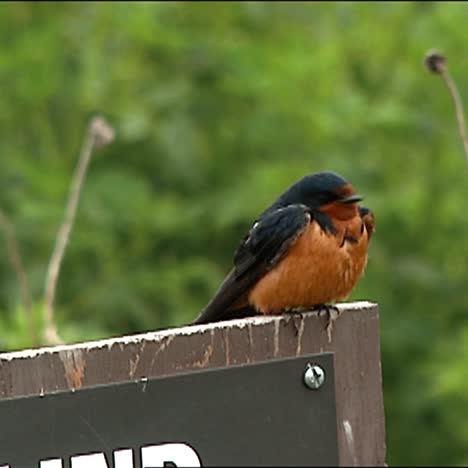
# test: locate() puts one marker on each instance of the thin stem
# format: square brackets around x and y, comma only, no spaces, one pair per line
[457,102]
[16,261]
[98,134]
[436,62]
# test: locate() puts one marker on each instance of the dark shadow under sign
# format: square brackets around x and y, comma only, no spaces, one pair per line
[251,415]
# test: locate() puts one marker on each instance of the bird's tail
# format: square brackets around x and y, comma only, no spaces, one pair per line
[228,303]
[230,314]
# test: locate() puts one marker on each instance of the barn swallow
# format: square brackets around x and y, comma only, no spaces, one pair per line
[305,251]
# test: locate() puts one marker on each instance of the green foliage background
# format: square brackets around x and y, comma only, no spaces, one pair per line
[218,107]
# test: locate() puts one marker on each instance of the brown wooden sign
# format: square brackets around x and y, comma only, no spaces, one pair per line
[229,349]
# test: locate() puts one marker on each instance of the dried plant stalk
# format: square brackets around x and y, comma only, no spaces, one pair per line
[98,134]
[16,261]
[437,63]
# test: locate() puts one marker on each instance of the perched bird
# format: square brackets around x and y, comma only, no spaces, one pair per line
[306,251]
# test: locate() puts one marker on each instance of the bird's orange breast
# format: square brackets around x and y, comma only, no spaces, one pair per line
[319,268]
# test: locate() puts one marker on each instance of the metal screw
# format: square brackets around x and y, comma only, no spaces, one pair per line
[314,376]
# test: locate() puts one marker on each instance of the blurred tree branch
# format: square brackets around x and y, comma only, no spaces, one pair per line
[99,133]
[16,261]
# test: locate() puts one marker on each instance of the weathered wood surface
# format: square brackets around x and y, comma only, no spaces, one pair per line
[356,344]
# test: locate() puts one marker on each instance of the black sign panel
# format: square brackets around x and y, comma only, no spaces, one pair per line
[251,415]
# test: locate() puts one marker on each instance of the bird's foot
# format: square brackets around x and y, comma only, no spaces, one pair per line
[332,313]
[295,314]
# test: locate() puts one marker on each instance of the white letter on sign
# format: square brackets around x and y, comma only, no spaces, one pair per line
[123,458]
[180,454]
[94,460]
[55,463]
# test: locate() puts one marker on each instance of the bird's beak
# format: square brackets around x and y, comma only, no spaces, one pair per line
[351,199]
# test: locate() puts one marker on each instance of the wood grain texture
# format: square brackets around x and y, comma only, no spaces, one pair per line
[356,344]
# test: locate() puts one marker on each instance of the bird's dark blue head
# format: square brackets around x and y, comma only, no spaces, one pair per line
[316,190]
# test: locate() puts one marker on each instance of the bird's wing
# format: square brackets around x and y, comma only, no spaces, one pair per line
[261,249]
